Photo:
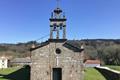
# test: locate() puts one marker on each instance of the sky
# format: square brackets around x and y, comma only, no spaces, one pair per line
[27,20]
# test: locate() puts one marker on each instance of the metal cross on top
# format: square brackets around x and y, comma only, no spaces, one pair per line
[58,3]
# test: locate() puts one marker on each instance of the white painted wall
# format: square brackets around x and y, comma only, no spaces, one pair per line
[3,63]
[92,65]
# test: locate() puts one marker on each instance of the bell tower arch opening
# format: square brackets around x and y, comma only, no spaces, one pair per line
[58,24]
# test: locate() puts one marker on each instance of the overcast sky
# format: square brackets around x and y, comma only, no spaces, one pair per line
[26,20]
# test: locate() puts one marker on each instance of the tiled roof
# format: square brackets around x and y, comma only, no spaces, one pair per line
[67,44]
[21,60]
[92,62]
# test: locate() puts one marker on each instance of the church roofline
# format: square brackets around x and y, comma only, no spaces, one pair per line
[66,44]
[72,47]
[47,42]
[41,45]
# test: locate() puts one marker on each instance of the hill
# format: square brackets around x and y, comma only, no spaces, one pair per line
[107,50]
[16,50]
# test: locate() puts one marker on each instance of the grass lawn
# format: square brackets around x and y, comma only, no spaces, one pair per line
[114,67]
[93,74]
[23,74]
[14,74]
[6,72]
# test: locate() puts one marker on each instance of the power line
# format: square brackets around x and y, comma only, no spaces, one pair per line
[42,37]
[58,3]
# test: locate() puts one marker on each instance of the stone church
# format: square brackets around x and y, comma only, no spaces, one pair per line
[56,59]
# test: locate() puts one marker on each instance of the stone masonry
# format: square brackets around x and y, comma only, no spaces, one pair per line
[44,59]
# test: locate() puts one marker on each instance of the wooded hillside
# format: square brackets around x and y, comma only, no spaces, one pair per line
[107,50]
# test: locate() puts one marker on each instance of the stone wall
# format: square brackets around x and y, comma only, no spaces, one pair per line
[45,59]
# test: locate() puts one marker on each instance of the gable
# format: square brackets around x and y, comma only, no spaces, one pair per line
[41,45]
[72,47]
[63,41]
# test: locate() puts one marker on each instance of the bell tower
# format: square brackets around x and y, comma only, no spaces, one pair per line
[57,23]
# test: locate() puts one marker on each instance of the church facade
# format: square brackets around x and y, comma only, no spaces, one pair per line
[56,59]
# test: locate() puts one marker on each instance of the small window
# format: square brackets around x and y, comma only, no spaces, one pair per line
[58,51]
[3,61]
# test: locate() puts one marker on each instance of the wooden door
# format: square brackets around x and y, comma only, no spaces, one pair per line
[57,73]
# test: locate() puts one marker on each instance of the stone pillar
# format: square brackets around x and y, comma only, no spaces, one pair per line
[51,32]
[57,37]
[64,32]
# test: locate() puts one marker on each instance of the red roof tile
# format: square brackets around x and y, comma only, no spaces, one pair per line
[92,62]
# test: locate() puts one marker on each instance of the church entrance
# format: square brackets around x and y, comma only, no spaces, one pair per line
[57,73]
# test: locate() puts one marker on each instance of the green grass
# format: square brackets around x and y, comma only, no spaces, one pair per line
[114,67]
[93,74]
[90,74]
[6,72]
[14,74]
